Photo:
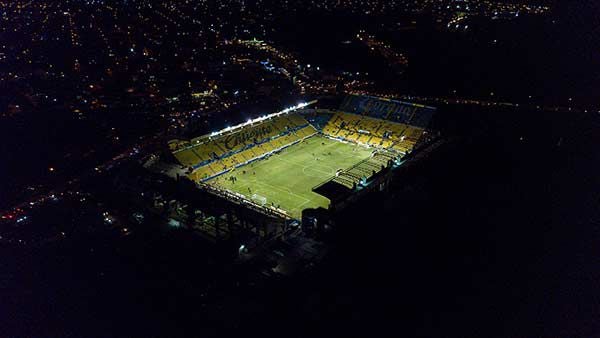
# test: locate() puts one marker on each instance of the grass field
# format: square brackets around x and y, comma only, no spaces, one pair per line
[286,179]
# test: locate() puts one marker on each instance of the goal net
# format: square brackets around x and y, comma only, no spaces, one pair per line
[259,199]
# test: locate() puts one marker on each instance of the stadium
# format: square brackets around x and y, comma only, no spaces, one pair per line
[305,158]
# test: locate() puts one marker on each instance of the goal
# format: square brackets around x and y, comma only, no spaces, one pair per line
[259,199]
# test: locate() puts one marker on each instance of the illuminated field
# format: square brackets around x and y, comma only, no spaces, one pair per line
[286,179]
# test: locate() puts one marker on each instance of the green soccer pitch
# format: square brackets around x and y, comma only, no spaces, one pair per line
[286,179]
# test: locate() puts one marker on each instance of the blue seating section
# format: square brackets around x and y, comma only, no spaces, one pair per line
[397,111]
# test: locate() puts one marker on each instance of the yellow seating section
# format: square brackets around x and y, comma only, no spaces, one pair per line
[372,131]
[226,155]
[187,157]
[207,148]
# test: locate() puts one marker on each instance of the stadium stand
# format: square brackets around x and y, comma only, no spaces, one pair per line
[363,170]
[319,118]
[416,115]
[209,156]
[372,131]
